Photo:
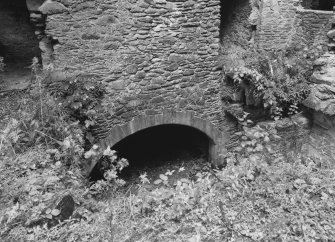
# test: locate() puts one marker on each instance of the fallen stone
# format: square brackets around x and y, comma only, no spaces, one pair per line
[322,99]
[324,70]
[49,7]
[33,5]
[66,207]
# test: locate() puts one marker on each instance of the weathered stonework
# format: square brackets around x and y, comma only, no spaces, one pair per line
[154,55]
[277,22]
[294,133]
[321,101]
[321,143]
[311,27]
[217,138]
[285,23]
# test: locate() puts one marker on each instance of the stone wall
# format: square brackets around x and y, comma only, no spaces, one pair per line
[277,23]
[217,138]
[321,143]
[154,54]
[321,102]
[285,23]
[293,132]
[311,27]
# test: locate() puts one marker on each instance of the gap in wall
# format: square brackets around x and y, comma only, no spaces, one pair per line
[18,43]
[234,19]
[325,5]
[157,146]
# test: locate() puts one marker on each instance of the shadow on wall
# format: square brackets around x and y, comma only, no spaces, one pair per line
[18,43]
[325,5]
[157,146]
[163,143]
[234,19]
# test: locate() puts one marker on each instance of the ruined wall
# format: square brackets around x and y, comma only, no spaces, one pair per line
[311,28]
[293,131]
[285,23]
[321,143]
[277,23]
[154,54]
[234,32]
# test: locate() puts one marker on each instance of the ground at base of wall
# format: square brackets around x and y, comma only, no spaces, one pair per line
[187,168]
[15,80]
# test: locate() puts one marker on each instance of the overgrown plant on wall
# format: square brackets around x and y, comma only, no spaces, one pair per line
[279,81]
[49,133]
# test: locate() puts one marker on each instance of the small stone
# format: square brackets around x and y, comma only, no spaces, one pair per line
[331,34]
[176,58]
[90,36]
[159,27]
[322,99]
[158,81]
[57,76]
[151,2]
[106,20]
[132,69]
[172,67]
[158,99]
[141,74]
[188,72]
[33,5]
[63,210]
[35,16]
[117,85]
[49,7]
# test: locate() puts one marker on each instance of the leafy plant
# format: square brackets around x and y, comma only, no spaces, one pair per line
[279,80]
[111,166]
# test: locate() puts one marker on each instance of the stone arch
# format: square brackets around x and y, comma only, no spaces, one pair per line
[216,137]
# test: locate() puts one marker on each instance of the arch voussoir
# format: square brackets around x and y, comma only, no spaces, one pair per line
[138,123]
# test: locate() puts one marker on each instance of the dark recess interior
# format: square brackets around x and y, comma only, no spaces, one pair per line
[155,146]
[229,10]
[18,43]
[325,5]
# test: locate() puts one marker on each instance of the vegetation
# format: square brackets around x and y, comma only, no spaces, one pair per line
[279,81]
[257,196]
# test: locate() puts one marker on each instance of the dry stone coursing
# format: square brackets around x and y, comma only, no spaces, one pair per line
[277,23]
[294,132]
[322,96]
[321,142]
[154,55]
[217,138]
[285,23]
[311,27]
